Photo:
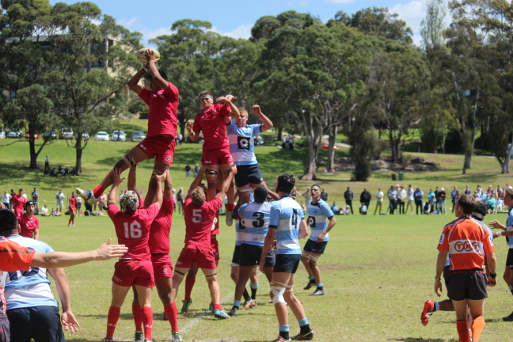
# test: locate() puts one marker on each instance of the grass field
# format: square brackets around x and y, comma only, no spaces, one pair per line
[378,270]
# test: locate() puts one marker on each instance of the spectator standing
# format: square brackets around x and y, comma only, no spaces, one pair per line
[467,190]
[411,199]
[454,195]
[440,203]
[6,197]
[187,171]
[291,143]
[419,198]
[47,163]
[196,170]
[307,196]
[35,199]
[79,205]
[379,201]
[392,198]
[180,199]
[401,199]
[59,197]
[365,198]
[324,195]
[348,196]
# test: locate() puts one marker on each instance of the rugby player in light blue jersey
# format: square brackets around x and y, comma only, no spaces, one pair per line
[254,220]
[287,225]
[318,213]
[241,138]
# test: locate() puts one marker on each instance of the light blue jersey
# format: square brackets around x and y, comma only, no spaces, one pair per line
[509,226]
[239,232]
[286,215]
[255,217]
[318,213]
[29,288]
[242,142]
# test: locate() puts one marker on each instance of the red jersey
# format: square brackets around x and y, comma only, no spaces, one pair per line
[160,228]
[199,220]
[73,202]
[28,225]
[18,202]
[133,230]
[467,243]
[162,117]
[211,122]
[13,257]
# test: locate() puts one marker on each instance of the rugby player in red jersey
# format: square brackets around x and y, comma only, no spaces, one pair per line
[28,223]
[199,216]
[159,247]
[212,121]
[134,268]
[162,99]
[72,209]
[18,202]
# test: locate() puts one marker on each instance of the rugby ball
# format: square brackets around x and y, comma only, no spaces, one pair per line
[141,54]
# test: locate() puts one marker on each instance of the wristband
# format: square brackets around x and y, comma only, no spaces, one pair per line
[493,275]
[145,69]
[499,233]
[437,278]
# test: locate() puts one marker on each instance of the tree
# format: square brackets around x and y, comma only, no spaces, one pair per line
[432,27]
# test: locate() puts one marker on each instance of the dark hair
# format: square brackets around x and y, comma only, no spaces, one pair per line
[286,183]
[480,211]
[260,193]
[162,73]
[467,204]
[8,220]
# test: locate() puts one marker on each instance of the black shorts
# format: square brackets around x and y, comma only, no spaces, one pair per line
[247,174]
[79,205]
[467,284]
[287,263]
[315,247]
[235,257]
[446,276]
[509,259]
[4,328]
[41,323]
[250,255]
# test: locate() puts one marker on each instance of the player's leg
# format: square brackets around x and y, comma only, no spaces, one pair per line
[242,279]
[508,279]
[225,169]
[190,280]
[279,284]
[144,294]
[137,314]
[305,259]
[297,309]
[164,286]
[313,258]
[478,323]
[460,307]
[118,297]
[212,173]
[215,292]
[253,283]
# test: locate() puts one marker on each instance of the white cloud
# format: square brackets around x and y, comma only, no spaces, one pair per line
[412,13]
[127,23]
[150,34]
[339,1]
[243,31]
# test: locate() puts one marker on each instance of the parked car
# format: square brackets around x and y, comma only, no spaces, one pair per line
[50,135]
[27,136]
[102,136]
[118,136]
[67,133]
[138,136]
[14,133]
[85,136]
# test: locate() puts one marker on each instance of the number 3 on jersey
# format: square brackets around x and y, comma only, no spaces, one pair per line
[133,230]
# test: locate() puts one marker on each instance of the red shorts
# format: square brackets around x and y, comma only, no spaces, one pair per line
[71,209]
[215,246]
[133,272]
[160,148]
[216,157]
[202,254]
[162,266]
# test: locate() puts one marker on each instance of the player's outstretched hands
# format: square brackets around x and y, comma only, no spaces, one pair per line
[256,110]
[69,322]
[226,99]
[188,126]
[497,224]
[233,169]
[161,177]
[150,56]
[108,251]
[116,177]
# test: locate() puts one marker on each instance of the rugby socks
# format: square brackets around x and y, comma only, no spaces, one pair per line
[320,287]
[98,191]
[236,304]
[511,288]
[311,280]
[147,317]
[463,332]
[189,284]
[477,328]
[230,207]
[304,326]
[284,332]
[112,320]
[172,316]
[218,307]
[437,306]
[137,313]
[246,295]
[253,290]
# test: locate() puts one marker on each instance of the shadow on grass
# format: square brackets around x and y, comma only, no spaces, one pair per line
[414,339]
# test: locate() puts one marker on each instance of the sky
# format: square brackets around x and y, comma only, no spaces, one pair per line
[235,18]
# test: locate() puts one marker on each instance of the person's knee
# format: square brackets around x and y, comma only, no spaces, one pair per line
[277,294]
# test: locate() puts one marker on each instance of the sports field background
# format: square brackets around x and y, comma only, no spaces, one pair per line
[378,270]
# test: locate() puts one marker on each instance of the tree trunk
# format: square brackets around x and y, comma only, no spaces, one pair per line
[467,163]
[313,151]
[395,147]
[78,154]
[280,133]
[331,151]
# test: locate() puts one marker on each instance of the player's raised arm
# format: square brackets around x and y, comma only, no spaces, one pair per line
[162,83]
[159,179]
[227,181]
[133,83]
[197,181]
[192,134]
[116,179]
[227,100]
[267,124]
